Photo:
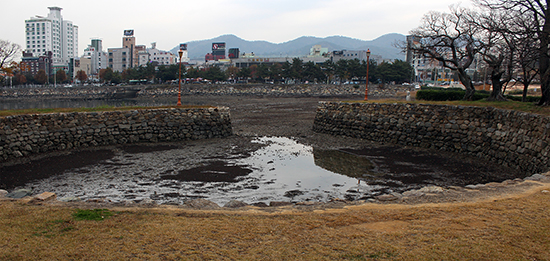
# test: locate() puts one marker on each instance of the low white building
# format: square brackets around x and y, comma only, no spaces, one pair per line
[157,57]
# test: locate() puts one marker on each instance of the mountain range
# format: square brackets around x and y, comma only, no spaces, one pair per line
[383,46]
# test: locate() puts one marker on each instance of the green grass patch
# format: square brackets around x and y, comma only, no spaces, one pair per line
[92,214]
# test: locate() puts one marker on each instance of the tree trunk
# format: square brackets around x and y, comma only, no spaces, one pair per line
[525,87]
[544,61]
[496,94]
[467,82]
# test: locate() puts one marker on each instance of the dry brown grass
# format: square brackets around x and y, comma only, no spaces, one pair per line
[512,228]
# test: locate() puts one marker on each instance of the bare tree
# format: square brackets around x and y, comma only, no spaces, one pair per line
[527,58]
[8,51]
[538,12]
[449,39]
[499,47]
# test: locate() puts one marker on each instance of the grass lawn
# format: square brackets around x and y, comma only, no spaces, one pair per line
[513,228]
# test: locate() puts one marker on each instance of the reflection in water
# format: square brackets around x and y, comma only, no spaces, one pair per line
[345,163]
[278,169]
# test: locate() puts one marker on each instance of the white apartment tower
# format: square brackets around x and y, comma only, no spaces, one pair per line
[52,34]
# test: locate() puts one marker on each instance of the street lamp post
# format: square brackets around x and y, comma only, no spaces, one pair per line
[180,52]
[367,85]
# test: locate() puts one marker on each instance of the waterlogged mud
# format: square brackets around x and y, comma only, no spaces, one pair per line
[273,156]
[249,169]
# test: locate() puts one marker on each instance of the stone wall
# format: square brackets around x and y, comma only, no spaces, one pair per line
[276,90]
[511,138]
[22,135]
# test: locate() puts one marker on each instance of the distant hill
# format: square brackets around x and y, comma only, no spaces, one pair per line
[383,46]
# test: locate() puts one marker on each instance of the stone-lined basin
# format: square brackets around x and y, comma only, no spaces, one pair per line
[252,170]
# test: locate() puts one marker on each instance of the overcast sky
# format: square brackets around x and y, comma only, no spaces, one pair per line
[169,22]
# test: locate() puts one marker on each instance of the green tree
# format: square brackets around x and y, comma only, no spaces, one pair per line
[263,72]
[169,72]
[286,70]
[341,70]
[106,75]
[276,71]
[297,69]
[312,72]
[244,73]
[81,76]
[193,72]
[19,79]
[329,69]
[41,77]
[214,73]
[61,76]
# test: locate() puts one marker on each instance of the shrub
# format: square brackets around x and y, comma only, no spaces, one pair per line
[451,94]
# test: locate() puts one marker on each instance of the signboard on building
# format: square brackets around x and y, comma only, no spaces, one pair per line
[129,32]
[233,53]
[183,47]
[218,49]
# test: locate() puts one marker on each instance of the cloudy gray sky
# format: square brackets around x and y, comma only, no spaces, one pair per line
[169,22]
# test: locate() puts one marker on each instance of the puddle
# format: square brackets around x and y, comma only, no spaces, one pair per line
[268,169]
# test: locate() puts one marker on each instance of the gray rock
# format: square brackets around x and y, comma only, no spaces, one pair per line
[70,199]
[387,197]
[3,193]
[235,204]
[279,203]
[20,193]
[477,186]
[147,202]
[431,189]
[413,193]
[201,203]
[536,177]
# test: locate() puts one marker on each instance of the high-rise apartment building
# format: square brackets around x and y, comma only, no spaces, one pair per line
[52,34]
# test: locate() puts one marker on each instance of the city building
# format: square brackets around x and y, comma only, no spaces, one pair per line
[158,57]
[317,50]
[131,55]
[52,34]
[31,64]
[218,52]
[247,60]
[361,55]
[94,58]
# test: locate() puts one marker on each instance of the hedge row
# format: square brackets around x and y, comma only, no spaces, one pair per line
[447,95]
[455,94]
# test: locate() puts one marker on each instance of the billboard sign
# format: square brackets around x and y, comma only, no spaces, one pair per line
[129,32]
[183,46]
[218,48]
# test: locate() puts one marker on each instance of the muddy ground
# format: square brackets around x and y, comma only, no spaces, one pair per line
[293,118]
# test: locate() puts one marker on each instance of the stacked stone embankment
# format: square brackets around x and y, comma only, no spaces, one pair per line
[22,135]
[511,138]
[277,90]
